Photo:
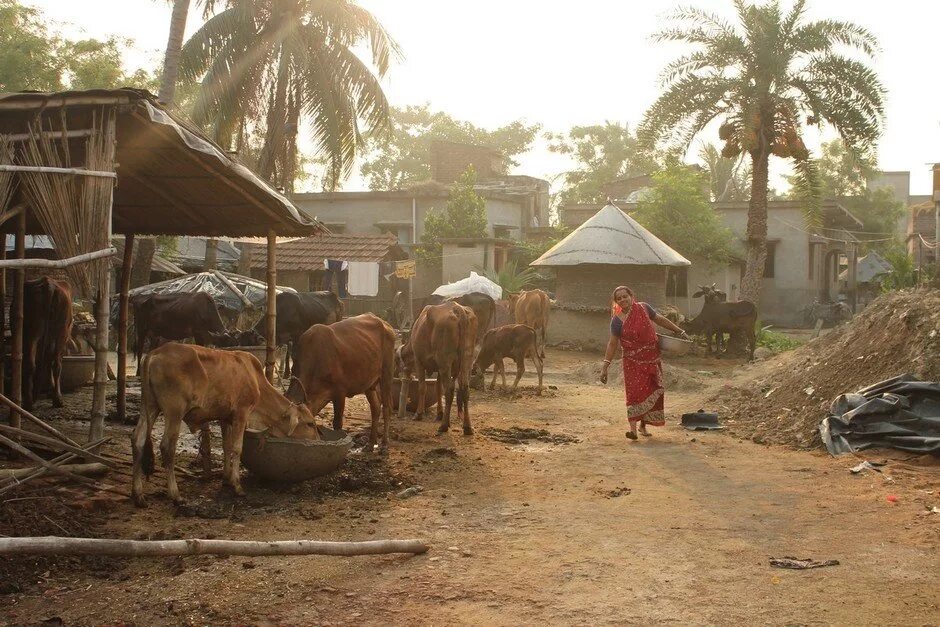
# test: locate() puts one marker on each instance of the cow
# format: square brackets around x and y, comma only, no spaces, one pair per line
[297,312]
[483,306]
[719,317]
[532,308]
[341,360]
[174,317]
[47,331]
[230,339]
[442,340]
[516,341]
[196,385]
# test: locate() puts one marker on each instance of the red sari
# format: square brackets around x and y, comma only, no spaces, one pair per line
[642,369]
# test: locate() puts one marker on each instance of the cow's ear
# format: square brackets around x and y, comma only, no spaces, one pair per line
[698,294]
[296,393]
[294,420]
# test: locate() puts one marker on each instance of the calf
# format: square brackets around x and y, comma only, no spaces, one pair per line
[720,317]
[516,341]
[442,340]
[196,385]
[47,329]
[531,308]
[341,360]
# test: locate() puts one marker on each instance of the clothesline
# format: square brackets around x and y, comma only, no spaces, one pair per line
[930,246]
[832,239]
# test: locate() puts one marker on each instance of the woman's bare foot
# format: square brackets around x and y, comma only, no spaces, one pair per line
[645,433]
[631,435]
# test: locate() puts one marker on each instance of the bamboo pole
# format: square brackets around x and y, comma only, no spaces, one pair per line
[56,469]
[3,319]
[42,169]
[39,423]
[52,545]
[99,404]
[16,321]
[271,314]
[18,474]
[75,134]
[58,263]
[56,445]
[122,327]
[231,286]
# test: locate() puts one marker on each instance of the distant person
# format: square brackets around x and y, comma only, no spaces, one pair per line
[631,327]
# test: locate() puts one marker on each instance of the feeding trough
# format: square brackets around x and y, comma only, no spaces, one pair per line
[77,370]
[430,391]
[291,460]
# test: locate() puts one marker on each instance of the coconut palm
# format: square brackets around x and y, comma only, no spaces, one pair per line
[286,62]
[763,77]
[171,60]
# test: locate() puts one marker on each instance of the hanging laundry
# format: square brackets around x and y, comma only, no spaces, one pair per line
[335,267]
[363,278]
[405,269]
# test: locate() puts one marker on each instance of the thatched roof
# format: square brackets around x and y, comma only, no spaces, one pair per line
[172,180]
[611,237]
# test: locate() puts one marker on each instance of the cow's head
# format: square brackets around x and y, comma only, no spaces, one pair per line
[314,400]
[298,421]
[702,291]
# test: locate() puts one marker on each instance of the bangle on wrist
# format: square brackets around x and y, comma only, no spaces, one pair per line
[607,361]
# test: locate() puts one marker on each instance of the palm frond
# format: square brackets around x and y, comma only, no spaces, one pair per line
[807,186]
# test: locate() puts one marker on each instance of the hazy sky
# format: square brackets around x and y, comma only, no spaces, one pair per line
[562,64]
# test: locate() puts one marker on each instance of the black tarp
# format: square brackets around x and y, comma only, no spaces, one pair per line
[902,413]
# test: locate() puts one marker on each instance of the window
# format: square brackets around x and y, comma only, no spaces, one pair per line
[404,235]
[677,281]
[501,232]
[769,264]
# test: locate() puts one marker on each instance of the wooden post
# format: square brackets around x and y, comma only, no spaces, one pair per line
[3,319]
[16,322]
[271,314]
[126,268]
[99,402]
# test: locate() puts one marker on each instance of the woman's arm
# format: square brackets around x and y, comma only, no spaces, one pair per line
[666,323]
[609,355]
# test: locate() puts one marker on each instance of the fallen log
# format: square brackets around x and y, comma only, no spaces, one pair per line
[39,423]
[79,469]
[53,545]
[57,469]
[54,444]
[12,484]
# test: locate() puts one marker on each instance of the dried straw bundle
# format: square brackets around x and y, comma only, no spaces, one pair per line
[6,178]
[73,210]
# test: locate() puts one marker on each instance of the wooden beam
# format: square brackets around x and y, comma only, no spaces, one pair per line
[205,166]
[16,323]
[126,269]
[44,102]
[48,170]
[10,214]
[21,137]
[168,197]
[58,263]
[271,313]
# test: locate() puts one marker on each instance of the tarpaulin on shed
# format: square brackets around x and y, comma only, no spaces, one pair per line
[473,283]
[901,413]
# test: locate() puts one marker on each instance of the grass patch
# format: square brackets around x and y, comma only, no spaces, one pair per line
[775,341]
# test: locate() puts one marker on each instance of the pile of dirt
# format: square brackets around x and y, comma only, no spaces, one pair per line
[523,435]
[674,377]
[898,333]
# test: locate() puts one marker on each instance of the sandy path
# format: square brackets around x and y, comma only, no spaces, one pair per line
[526,534]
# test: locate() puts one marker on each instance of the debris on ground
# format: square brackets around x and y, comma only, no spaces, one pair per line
[800,564]
[523,435]
[890,337]
[407,493]
[675,378]
[866,465]
[701,420]
[901,413]
[621,491]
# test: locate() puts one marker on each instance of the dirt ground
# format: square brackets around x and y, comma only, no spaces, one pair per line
[585,529]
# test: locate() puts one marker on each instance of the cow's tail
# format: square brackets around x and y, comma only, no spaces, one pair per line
[148,415]
[492,313]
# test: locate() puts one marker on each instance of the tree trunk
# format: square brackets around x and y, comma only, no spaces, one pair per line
[171,61]
[756,255]
[275,123]
[143,261]
[212,254]
[289,168]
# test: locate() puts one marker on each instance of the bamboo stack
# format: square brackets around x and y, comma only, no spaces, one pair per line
[6,178]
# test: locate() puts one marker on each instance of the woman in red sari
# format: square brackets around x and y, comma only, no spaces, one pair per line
[631,328]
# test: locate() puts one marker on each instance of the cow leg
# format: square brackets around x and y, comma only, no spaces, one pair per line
[520,370]
[339,407]
[502,372]
[57,381]
[403,393]
[439,399]
[448,381]
[172,421]
[495,372]
[372,396]
[286,368]
[205,450]
[226,447]
[422,392]
[142,449]
[751,340]
[538,368]
[708,341]
[29,373]
[234,454]
[463,406]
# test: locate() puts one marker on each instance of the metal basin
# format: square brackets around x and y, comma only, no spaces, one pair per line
[77,370]
[674,345]
[290,460]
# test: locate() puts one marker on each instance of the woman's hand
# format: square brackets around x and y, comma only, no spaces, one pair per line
[604,372]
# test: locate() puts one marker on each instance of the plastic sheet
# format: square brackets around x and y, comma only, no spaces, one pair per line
[473,283]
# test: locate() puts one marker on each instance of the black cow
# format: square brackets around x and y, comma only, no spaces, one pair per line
[718,317]
[47,328]
[482,305]
[297,312]
[174,317]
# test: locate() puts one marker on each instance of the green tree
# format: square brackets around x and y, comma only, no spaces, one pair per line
[400,157]
[677,210]
[464,216]
[602,153]
[765,76]
[728,179]
[282,64]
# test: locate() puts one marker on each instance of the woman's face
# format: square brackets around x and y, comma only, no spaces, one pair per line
[623,299]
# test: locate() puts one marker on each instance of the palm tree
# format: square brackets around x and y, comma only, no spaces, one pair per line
[171,60]
[284,62]
[728,179]
[763,78]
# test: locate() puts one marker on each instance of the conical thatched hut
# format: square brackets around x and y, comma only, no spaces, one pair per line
[608,250]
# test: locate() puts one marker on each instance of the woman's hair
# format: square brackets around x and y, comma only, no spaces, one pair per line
[614,307]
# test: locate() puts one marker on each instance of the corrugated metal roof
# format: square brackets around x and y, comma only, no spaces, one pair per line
[611,237]
[308,253]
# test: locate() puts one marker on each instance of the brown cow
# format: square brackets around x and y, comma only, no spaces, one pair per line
[47,329]
[516,341]
[196,385]
[341,360]
[442,340]
[531,308]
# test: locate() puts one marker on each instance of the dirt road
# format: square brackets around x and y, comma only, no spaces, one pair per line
[674,529]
